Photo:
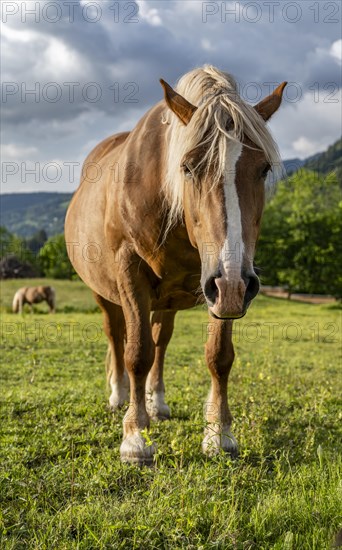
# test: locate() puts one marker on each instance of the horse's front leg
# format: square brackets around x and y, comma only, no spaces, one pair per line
[162,329]
[219,357]
[52,306]
[134,292]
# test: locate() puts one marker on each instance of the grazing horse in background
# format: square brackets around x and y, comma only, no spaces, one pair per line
[34,295]
[176,207]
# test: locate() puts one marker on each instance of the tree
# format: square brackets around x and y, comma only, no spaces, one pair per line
[14,246]
[54,259]
[37,241]
[300,243]
[10,244]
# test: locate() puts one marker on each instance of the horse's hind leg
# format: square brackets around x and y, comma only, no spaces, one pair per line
[162,329]
[114,327]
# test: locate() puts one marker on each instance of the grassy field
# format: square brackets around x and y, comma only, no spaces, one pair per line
[62,483]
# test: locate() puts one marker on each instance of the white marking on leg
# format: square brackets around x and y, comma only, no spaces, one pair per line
[217,434]
[218,437]
[120,391]
[135,449]
[156,406]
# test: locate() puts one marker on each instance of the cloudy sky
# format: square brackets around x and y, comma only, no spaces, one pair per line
[74,72]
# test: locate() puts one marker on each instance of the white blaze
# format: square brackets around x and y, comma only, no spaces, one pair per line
[232,251]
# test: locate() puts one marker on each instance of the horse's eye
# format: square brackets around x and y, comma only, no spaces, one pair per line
[187,171]
[229,125]
[265,171]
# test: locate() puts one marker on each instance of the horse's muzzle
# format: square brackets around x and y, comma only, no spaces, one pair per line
[230,298]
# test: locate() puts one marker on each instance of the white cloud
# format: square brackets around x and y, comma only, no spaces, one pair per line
[13,151]
[336,50]
[46,57]
[305,147]
[17,35]
[150,15]
[207,45]
[59,61]
[306,127]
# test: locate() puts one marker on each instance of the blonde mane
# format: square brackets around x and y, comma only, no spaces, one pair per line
[216,97]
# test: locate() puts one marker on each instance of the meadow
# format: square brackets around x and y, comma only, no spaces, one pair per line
[62,485]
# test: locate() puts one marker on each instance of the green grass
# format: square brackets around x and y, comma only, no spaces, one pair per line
[62,483]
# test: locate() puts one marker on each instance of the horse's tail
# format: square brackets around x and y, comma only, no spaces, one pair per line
[17,304]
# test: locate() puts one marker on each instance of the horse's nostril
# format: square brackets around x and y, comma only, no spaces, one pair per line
[252,289]
[211,290]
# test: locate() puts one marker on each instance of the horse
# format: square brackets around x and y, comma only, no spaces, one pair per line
[164,214]
[34,295]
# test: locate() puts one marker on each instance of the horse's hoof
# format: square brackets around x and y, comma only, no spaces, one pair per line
[160,414]
[134,450]
[214,442]
[115,404]
[160,417]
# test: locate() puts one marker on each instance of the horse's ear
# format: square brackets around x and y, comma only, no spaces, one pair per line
[270,104]
[177,103]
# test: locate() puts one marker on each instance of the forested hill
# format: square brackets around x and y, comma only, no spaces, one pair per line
[331,159]
[26,213]
[325,162]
